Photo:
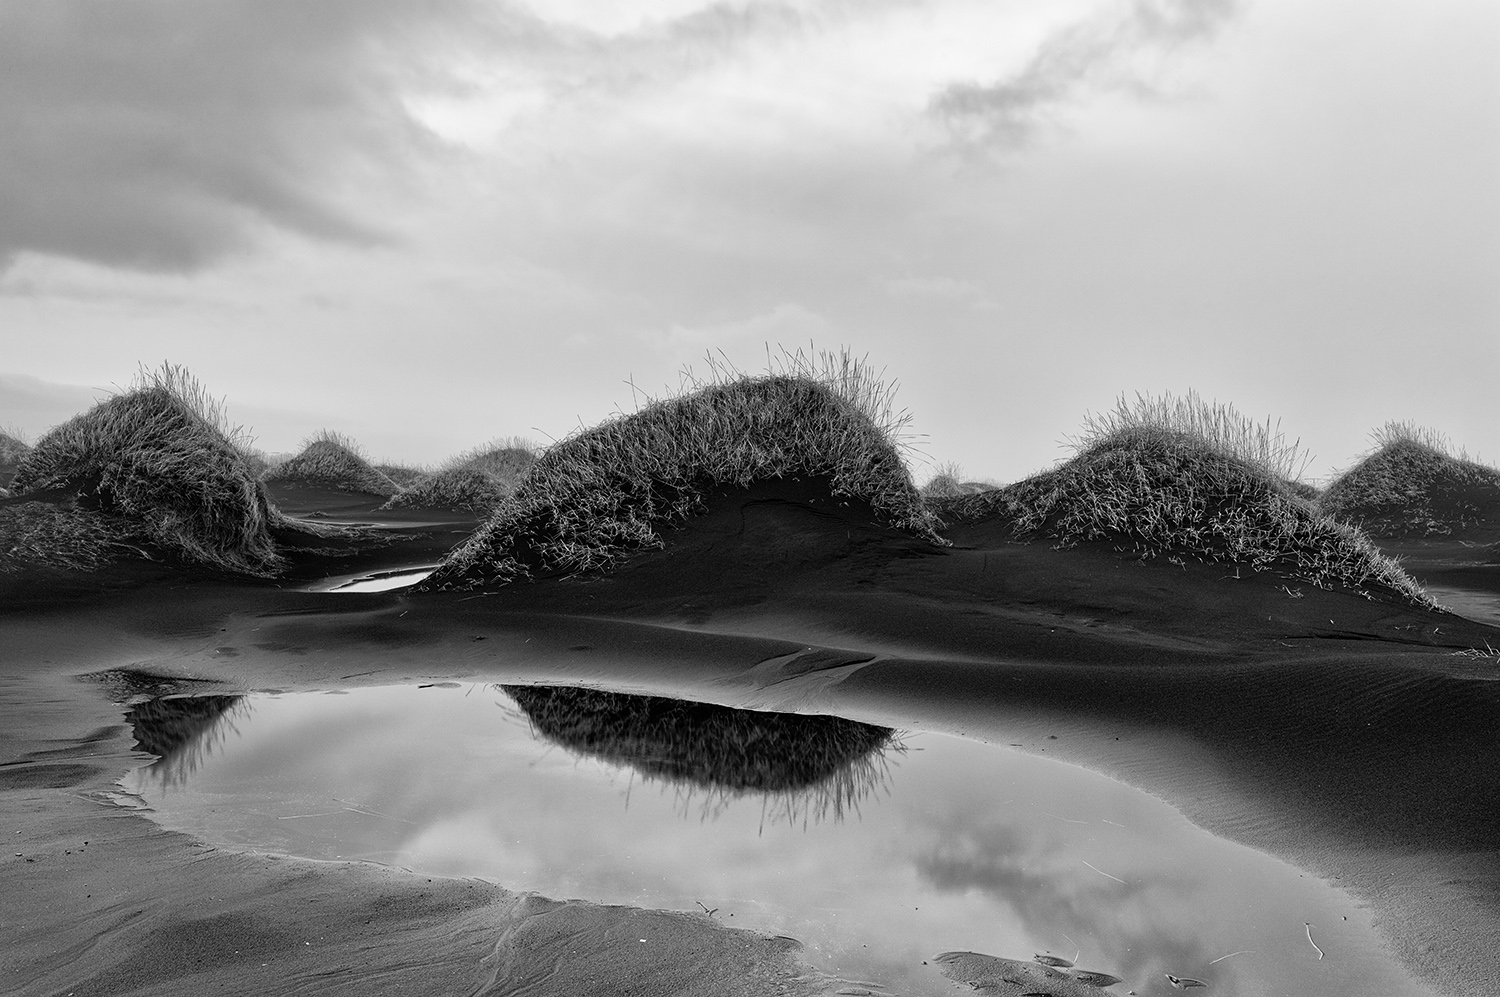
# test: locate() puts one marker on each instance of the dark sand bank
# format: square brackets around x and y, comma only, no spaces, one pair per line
[1350,735]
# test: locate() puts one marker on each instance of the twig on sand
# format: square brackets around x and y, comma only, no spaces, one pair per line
[366,811]
[1103,873]
[706,910]
[1309,938]
[299,816]
[1223,957]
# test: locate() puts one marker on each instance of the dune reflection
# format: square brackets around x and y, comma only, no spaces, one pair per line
[806,769]
[183,730]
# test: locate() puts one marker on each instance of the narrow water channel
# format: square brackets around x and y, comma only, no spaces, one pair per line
[877,849]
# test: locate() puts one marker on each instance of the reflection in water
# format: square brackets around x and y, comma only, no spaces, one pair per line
[808,768]
[967,847]
[183,730]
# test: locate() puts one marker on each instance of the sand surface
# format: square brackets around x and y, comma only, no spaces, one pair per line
[1352,737]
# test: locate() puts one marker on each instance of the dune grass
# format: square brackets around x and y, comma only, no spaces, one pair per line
[477,480]
[947,482]
[402,475]
[158,465]
[610,490]
[1411,482]
[13,447]
[332,460]
[1188,477]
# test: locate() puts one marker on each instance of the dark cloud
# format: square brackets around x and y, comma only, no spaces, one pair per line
[1095,53]
[158,134]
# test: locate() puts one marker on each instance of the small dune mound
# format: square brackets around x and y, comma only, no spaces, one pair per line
[12,448]
[610,490]
[402,475]
[476,481]
[948,483]
[330,460]
[1182,477]
[1411,484]
[156,466]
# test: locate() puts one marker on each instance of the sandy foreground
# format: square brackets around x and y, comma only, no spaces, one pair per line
[1354,738]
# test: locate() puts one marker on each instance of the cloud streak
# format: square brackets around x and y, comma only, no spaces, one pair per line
[1094,54]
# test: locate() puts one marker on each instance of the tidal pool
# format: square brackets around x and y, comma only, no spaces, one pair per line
[877,849]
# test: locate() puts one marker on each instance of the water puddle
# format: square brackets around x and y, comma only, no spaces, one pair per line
[374,581]
[878,850]
[1480,607]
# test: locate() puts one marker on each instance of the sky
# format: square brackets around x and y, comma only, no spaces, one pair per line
[429,224]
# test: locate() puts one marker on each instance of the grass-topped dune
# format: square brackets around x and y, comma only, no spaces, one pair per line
[12,450]
[331,460]
[156,468]
[1179,477]
[476,481]
[1412,483]
[613,489]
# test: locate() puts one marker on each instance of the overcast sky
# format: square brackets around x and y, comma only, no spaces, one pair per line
[426,224]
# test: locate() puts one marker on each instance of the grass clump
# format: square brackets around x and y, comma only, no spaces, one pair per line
[402,475]
[13,447]
[332,460]
[1188,477]
[477,480]
[610,490]
[1412,482]
[156,465]
[947,482]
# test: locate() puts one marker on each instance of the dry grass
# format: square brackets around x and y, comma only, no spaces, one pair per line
[13,447]
[477,480]
[1411,482]
[60,536]
[608,491]
[1207,484]
[402,475]
[332,460]
[947,482]
[158,465]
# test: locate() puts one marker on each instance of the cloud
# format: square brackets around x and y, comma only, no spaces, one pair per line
[1096,53]
[160,134]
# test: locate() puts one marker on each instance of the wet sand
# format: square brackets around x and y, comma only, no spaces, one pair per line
[1352,737]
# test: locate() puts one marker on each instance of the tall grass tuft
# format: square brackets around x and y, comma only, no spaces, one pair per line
[1411,482]
[477,480]
[607,491]
[160,465]
[332,460]
[1183,476]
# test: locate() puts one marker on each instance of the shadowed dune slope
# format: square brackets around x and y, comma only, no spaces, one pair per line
[331,461]
[609,491]
[1407,488]
[156,465]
